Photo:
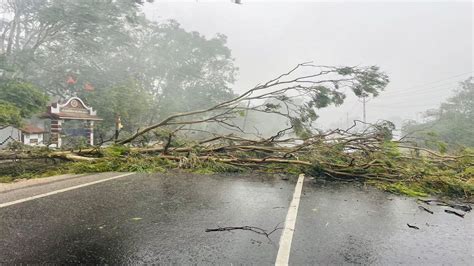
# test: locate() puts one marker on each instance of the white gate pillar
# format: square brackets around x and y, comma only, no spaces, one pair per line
[91,133]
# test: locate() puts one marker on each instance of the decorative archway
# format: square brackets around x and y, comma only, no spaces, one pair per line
[73,109]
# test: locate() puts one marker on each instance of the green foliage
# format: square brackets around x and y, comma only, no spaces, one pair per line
[390,149]
[364,81]
[450,126]
[98,166]
[29,169]
[129,101]
[390,168]
[19,100]
[299,127]
[147,164]
[10,114]
[78,34]
[454,178]
[431,140]
[194,72]
[369,81]
[115,151]
[403,189]
[6,179]
[141,70]
[285,168]
[445,185]
[127,164]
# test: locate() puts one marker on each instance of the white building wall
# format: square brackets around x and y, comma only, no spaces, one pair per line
[27,138]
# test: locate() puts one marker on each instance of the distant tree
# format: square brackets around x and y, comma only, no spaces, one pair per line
[451,123]
[9,114]
[183,70]
[174,70]
[66,47]
[19,100]
[46,41]
[23,95]
[129,101]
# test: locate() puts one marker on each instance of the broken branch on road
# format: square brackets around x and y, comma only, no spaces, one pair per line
[455,213]
[425,209]
[254,229]
[413,226]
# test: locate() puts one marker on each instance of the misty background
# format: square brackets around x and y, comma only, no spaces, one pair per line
[424,47]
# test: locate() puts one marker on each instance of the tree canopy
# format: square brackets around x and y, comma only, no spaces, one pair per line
[90,48]
[19,100]
[124,64]
[452,123]
[9,114]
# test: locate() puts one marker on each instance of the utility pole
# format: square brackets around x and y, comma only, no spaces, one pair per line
[364,101]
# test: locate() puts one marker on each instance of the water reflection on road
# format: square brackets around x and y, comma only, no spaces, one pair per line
[161,218]
[352,223]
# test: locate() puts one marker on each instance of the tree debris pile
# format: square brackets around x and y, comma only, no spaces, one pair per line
[217,139]
[338,154]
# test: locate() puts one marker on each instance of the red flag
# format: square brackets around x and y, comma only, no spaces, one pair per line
[70,80]
[88,87]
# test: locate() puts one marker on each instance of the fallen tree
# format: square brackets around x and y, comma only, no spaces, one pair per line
[294,95]
[363,151]
[337,154]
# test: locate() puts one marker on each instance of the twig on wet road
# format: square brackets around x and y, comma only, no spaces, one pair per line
[426,209]
[455,213]
[413,226]
[462,207]
[254,229]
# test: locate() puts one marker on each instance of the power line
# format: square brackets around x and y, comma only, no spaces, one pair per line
[421,89]
[402,95]
[407,98]
[398,106]
[440,80]
[414,91]
[412,94]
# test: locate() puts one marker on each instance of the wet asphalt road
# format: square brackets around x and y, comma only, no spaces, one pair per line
[161,218]
[341,223]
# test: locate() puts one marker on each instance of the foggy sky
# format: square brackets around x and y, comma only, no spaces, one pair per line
[425,47]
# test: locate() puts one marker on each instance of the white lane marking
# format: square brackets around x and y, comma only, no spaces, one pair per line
[283,256]
[61,190]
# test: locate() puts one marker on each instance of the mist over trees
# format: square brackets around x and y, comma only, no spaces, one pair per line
[108,53]
[172,90]
[449,126]
[123,64]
